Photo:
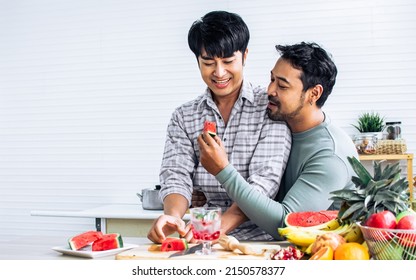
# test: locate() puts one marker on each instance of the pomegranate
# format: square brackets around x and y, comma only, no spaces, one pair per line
[288,253]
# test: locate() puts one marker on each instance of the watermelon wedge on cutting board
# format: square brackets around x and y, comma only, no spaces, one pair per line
[174,244]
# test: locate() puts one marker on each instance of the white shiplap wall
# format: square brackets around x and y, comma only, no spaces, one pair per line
[87,88]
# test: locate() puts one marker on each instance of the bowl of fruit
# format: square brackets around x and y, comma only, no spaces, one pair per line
[379,205]
[391,237]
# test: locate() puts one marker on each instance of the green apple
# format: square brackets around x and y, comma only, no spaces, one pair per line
[405,213]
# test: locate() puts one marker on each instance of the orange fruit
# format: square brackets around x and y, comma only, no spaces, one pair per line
[324,253]
[351,251]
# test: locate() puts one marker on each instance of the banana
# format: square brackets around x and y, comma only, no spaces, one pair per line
[343,230]
[302,238]
[354,234]
[331,225]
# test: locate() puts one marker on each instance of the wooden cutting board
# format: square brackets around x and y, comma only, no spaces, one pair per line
[149,252]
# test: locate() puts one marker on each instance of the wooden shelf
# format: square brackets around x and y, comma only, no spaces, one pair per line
[407,157]
[386,157]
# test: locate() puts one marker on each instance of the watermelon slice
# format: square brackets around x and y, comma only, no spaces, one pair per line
[81,240]
[211,128]
[108,242]
[308,219]
[174,244]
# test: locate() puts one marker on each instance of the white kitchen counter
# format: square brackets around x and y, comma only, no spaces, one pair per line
[115,211]
[127,219]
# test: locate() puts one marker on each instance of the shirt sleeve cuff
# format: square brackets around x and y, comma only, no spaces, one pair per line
[225,174]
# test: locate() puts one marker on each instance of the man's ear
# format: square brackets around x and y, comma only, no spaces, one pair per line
[316,93]
[245,56]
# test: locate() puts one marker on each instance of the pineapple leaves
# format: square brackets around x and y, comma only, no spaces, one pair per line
[353,208]
[386,190]
[390,170]
[367,199]
[357,181]
[377,171]
[360,170]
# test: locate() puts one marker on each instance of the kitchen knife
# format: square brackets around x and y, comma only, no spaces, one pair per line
[188,251]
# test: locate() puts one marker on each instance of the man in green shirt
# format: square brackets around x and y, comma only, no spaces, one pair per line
[300,83]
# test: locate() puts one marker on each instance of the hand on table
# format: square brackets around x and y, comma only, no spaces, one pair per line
[166,225]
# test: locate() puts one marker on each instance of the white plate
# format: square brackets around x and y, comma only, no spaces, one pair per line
[87,253]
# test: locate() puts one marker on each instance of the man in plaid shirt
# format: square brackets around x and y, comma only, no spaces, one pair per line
[257,146]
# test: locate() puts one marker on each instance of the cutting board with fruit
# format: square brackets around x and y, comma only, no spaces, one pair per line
[229,249]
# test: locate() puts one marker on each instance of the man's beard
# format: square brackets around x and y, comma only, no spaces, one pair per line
[279,116]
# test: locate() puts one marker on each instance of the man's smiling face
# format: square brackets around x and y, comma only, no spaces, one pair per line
[223,75]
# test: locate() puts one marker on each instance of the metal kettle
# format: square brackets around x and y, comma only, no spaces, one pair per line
[150,198]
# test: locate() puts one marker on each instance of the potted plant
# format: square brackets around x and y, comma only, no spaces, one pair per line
[370,122]
[370,125]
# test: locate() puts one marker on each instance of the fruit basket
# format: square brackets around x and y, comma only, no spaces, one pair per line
[390,244]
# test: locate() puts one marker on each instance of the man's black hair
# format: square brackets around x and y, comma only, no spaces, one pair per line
[316,65]
[219,33]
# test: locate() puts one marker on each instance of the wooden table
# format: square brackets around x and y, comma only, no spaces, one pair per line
[40,248]
[408,157]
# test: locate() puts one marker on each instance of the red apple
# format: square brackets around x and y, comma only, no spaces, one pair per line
[384,219]
[407,223]
[405,213]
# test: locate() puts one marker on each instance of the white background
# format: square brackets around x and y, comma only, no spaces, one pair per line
[87,88]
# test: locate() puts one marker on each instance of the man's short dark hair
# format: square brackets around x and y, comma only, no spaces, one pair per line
[316,65]
[219,33]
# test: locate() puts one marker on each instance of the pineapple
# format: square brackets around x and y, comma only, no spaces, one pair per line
[384,191]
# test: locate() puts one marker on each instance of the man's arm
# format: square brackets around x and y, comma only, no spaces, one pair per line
[176,181]
[232,218]
[175,206]
[214,159]
[179,160]
[309,193]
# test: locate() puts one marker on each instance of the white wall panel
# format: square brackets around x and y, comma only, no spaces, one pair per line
[87,88]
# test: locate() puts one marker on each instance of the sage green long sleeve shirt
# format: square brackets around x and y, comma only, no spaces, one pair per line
[317,165]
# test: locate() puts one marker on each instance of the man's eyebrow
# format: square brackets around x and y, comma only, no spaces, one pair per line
[206,57]
[211,58]
[280,78]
